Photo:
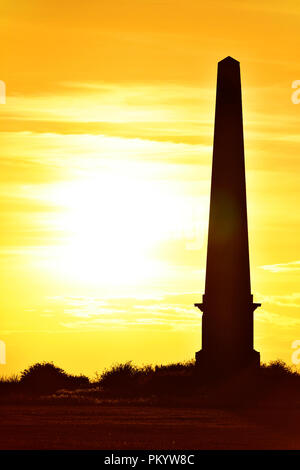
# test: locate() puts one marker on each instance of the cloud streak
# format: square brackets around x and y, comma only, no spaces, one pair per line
[282,267]
[93,313]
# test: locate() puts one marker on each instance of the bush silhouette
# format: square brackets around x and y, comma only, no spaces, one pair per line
[275,383]
[45,377]
[279,369]
[8,385]
[129,380]
[121,378]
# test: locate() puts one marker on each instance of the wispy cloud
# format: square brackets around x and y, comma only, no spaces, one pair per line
[282,267]
[93,313]
[289,300]
[276,319]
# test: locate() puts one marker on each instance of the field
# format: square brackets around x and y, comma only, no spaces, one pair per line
[162,407]
[146,427]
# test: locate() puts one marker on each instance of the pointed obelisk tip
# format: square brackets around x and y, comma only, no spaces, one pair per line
[229,60]
[228,64]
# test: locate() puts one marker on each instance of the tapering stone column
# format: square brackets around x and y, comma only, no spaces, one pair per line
[227,323]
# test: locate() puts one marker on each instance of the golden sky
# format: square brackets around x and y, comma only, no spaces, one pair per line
[106,147]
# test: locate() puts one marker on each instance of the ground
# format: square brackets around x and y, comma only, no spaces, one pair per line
[141,427]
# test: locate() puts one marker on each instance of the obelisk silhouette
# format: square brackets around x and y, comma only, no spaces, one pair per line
[227,322]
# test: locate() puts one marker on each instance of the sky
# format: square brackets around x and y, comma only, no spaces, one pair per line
[106,149]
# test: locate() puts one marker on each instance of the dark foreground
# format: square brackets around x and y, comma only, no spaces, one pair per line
[141,427]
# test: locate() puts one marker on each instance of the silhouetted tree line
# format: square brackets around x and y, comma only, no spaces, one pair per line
[164,384]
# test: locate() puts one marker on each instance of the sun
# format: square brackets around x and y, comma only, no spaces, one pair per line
[111,225]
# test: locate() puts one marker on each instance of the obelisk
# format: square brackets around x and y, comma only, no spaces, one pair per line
[227,322]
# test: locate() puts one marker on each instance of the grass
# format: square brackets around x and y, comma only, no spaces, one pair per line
[274,384]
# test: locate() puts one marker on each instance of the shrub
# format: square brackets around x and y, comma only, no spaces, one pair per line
[45,377]
[8,385]
[121,378]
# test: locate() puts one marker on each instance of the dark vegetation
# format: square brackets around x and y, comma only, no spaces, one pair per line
[173,384]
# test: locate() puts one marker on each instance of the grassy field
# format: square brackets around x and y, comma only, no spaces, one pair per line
[161,407]
[141,427]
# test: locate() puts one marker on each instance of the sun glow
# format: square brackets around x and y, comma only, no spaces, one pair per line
[111,225]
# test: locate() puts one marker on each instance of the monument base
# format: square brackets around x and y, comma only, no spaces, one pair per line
[225,363]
